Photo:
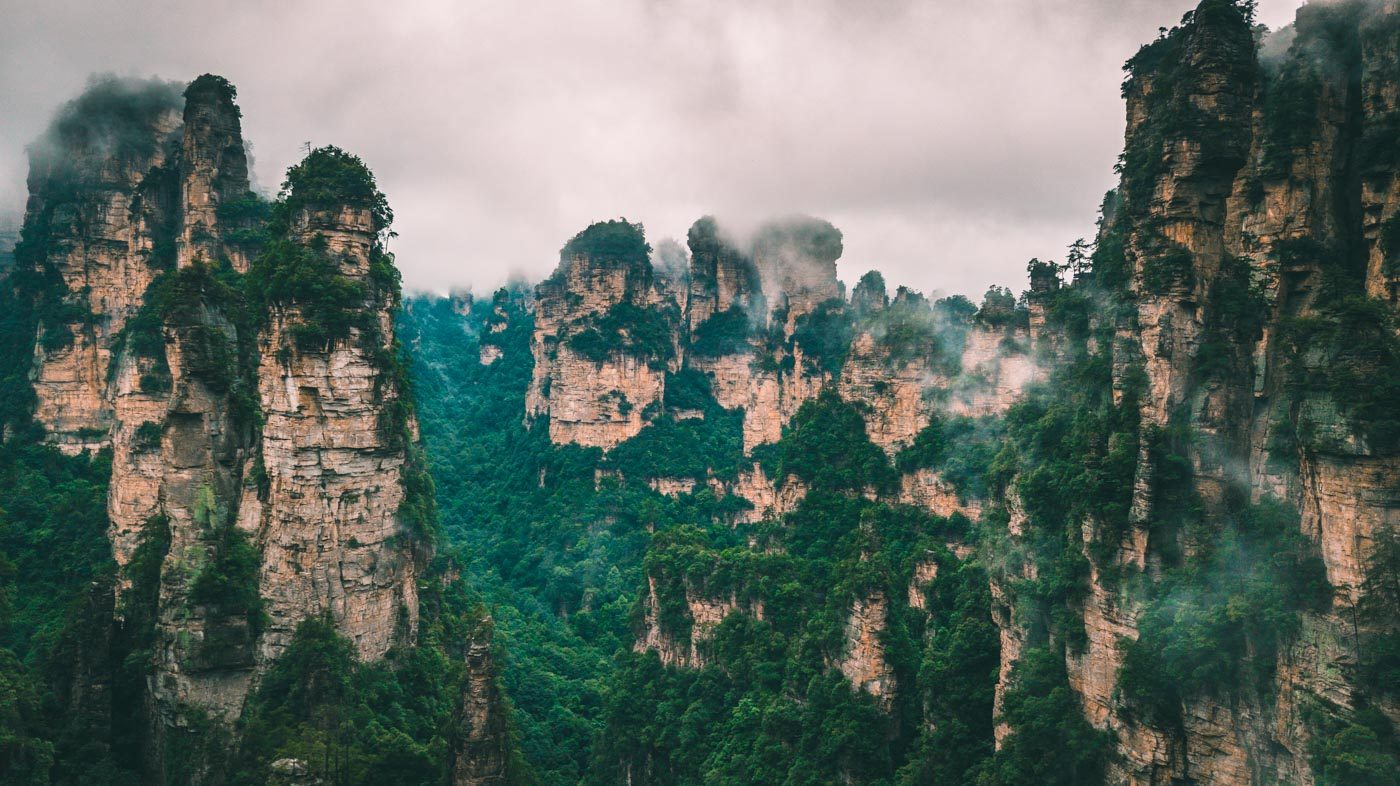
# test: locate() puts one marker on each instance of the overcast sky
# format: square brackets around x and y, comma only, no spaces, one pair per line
[950,141]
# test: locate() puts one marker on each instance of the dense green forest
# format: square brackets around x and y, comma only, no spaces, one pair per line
[564,539]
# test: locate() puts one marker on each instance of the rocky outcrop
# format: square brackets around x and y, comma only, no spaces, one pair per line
[770,500]
[897,395]
[925,489]
[672,487]
[1239,219]
[924,574]
[213,175]
[481,754]
[722,278]
[796,263]
[996,370]
[604,339]
[863,661]
[327,516]
[268,450]
[100,211]
[686,649]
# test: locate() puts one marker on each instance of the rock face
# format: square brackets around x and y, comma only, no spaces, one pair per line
[599,380]
[328,519]
[864,662]
[481,754]
[179,438]
[604,339]
[213,174]
[681,648]
[99,193]
[1220,189]
[272,460]
[722,278]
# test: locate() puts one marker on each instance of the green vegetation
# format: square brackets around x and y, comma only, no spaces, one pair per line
[245,220]
[691,448]
[610,241]
[957,672]
[910,328]
[331,303]
[1238,310]
[557,559]
[766,706]
[962,449]
[824,333]
[825,447]
[227,580]
[644,332]
[1290,114]
[327,178]
[212,85]
[1349,353]
[564,559]
[999,308]
[1217,622]
[392,721]
[55,570]
[1051,743]
[1356,748]
[724,333]
[1162,77]
[1167,268]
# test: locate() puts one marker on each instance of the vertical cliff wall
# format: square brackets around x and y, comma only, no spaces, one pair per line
[100,217]
[327,505]
[1251,201]
[605,335]
[238,358]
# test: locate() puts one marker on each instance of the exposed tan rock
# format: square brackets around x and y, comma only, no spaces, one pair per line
[925,489]
[864,662]
[105,211]
[897,396]
[996,370]
[1217,203]
[213,172]
[770,500]
[592,403]
[721,276]
[599,404]
[481,753]
[924,574]
[672,487]
[329,525]
[705,613]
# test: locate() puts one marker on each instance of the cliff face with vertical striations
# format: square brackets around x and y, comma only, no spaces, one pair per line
[326,511]
[239,360]
[604,338]
[99,188]
[1250,217]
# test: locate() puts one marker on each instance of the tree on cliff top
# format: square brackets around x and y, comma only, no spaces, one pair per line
[213,85]
[329,176]
[615,241]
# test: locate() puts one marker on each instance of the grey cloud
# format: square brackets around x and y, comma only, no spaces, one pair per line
[949,141]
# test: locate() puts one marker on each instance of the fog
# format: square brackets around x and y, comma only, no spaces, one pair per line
[949,142]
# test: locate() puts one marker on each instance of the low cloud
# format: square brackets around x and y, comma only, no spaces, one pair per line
[949,142]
